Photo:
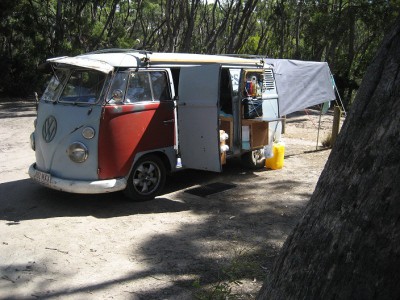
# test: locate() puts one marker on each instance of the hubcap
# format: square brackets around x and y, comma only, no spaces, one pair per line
[146,178]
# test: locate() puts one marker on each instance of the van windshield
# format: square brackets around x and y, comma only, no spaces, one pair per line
[83,86]
[55,85]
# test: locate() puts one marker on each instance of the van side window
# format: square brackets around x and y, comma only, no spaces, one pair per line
[118,87]
[175,77]
[132,87]
[147,86]
[138,87]
[160,86]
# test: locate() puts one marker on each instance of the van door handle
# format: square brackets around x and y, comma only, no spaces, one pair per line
[168,121]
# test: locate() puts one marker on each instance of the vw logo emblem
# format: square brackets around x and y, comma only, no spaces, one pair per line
[49,129]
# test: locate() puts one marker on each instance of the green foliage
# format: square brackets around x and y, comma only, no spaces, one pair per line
[250,46]
[245,264]
[345,34]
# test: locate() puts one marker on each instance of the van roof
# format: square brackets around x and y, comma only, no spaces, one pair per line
[106,60]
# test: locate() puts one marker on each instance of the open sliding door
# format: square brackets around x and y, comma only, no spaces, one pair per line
[198,127]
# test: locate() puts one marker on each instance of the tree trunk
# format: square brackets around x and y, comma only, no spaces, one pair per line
[282,28]
[244,29]
[107,24]
[59,36]
[299,11]
[347,244]
[191,12]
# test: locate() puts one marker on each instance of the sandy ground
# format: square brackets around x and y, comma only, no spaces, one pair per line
[178,246]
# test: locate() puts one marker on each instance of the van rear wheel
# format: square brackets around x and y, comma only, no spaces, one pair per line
[253,159]
[147,179]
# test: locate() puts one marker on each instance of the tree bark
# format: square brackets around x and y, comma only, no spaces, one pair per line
[59,35]
[299,11]
[282,13]
[108,22]
[347,244]
[191,11]
[244,29]
[218,29]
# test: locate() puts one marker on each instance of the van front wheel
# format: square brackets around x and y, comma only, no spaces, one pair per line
[147,179]
[253,159]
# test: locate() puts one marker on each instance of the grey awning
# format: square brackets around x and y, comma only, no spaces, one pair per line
[301,84]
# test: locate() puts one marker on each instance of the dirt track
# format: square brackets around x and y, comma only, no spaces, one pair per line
[178,246]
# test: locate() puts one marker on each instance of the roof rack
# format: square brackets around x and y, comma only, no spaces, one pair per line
[260,57]
[246,56]
[119,50]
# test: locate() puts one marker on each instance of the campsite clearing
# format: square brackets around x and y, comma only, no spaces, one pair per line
[69,246]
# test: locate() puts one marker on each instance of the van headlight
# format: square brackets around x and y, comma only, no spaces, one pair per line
[78,152]
[32,139]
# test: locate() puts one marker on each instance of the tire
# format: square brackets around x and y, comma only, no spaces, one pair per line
[147,179]
[253,159]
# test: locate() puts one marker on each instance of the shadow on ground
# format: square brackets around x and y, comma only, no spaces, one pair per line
[25,200]
[240,233]
[236,241]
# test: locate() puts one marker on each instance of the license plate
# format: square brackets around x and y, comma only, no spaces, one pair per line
[43,177]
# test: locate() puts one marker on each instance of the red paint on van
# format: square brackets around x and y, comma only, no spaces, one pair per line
[128,129]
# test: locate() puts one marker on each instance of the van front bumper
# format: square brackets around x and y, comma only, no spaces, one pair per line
[77,186]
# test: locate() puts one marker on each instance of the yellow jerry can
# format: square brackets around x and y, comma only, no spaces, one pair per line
[276,161]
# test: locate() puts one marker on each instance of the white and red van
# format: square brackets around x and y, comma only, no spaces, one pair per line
[118,119]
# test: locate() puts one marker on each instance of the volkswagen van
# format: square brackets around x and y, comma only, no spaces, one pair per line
[120,120]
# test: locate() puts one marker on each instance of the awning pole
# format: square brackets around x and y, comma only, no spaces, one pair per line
[319,125]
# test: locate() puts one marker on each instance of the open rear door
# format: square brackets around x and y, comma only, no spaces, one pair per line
[198,128]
